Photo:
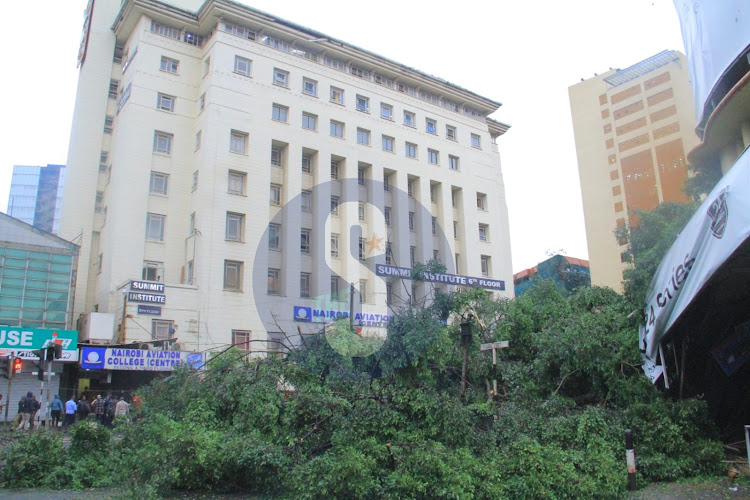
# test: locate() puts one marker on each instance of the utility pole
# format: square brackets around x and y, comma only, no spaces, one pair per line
[11,363]
[121,336]
[494,346]
[351,307]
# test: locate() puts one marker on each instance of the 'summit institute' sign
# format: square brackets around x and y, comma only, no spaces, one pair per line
[146,292]
[449,279]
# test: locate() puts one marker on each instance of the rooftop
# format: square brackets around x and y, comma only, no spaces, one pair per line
[644,67]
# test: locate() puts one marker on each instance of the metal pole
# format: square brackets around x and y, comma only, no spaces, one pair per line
[494,371]
[351,307]
[121,338]
[10,379]
[630,459]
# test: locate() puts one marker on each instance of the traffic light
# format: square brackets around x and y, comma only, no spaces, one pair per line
[58,350]
[49,352]
[5,367]
[17,365]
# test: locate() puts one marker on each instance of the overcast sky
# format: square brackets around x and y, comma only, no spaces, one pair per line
[524,54]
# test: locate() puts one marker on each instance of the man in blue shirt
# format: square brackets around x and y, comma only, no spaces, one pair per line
[70,412]
[56,407]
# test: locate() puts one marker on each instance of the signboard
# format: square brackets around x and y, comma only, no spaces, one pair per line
[147,298]
[150,310]
[719,226]
[313,315]
[147,286]
[29,339]
[146,292]
[449,279]
[102,358]
[67,356]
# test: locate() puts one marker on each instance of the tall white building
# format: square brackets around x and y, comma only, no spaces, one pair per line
[252,168]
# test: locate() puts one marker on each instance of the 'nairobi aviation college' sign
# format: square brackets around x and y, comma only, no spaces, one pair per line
[102,358]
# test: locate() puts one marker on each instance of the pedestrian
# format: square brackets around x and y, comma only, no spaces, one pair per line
[35,406]
[70,412]
[83,408]
[121,408]
[97,407]
[24,408]
[109,410]
[56,407]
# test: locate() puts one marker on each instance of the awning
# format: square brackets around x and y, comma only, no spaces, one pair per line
[713,234]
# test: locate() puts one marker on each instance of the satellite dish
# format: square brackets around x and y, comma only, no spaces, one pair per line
[176,346]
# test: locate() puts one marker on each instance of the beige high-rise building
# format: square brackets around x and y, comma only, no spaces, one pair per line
[234,173]
[633,128]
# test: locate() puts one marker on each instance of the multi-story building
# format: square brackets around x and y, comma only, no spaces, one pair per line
[36,195]
[633,128]
[250,169]
[568,273]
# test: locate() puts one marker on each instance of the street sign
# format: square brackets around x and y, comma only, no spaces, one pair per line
[494,345]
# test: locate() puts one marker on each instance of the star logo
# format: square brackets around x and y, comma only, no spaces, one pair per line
[374,243]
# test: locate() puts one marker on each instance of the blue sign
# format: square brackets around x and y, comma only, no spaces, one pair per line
[302,313]
[150,310]
[98,358]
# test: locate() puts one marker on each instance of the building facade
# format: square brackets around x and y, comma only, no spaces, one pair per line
[633,129]
[252,173]
[37,274]
[36,195]
[568,273]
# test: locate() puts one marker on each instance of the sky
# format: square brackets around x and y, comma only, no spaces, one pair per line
[522,53]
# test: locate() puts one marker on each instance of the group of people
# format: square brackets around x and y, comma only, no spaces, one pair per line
[102,410]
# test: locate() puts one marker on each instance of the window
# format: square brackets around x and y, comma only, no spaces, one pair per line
[274,276]
[155,227]
[169,65]
[411,221]
[334,169]
[152,271]
[306,163]
[388,143]
[242,65]
[113,86]
[276,156]
[453,162]
[450,132]
[98,201]
[334,245]
[409,118]
[238,142]
[362,251]
[361,211]
[194,184]
[388,253]
[310,87]
[202,101]
[389,293]
[412,255]
[410,150]
[306,201]
[206,66]
[304,245]
[458,258]
[361,176]
[304,285]
[387,216]
[309,121]
[363,104]
[159,183]
[455,229]
[454,198]
[165,102]
[337,129]
[334,287]
[103,158]
[235,227]
[241,339]
[481,201]
[337,95]
[279,113]
[410,188]
[274,236]
[432,156]
[414,294]
[163,142]
[162,329]
[280,77]
[476,141]
[334,205]
[190,272]
[198,139]
[386,111]
[483,232]
[237,182]
[485,260]
[386,182]
[363,136]
[434,225]
[430,126]
[436,255]
[164,30]
[433,196]
[275,198]
[362,291]
[109,124]
[193,224]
